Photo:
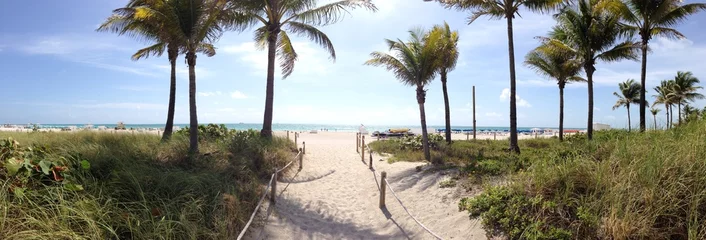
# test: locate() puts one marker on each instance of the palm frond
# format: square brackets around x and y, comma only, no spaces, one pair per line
[625,50]
[206,48]
[679,14]
[330,13]
[667,33]
[154,50]
[391,64]
[314,35]
[260,37]
[286,53]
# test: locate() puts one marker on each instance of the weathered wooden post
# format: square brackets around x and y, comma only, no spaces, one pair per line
[296,135]
[495,134]
[301,160]
[357,142]
[362,148]
[287,135]
[383,175]
[467,134]
[304,149]
[474,112]
[273,193]
[371,159]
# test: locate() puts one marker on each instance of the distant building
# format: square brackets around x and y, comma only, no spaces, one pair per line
[601,126]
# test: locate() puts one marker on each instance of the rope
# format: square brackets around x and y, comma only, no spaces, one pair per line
[406,210]
[259,203]
[242,233]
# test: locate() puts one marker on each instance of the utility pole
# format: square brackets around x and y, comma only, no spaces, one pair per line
[474,112]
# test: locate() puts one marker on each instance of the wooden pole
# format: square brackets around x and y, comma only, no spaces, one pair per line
[287,135]
[273,193]
[383,175]
[495,135]
[304,149]
[295,139]
[371,159]
[357,142]
[362,148]
[474,112]
[301,160]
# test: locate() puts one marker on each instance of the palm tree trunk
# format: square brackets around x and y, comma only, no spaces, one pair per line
[193,121]
[629,124]
[561,112]
[421,97]
[588,68]
[514,147]
[173,54]
[671,116]
[270,91]
[643,100]
[679,111]
[655,119]
[446,106]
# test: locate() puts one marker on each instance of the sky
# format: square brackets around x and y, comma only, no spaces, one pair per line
[57,69]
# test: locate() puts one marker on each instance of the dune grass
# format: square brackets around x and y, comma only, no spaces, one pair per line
[139,188]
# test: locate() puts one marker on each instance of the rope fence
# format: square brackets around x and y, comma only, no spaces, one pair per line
[384,184]
[272,184]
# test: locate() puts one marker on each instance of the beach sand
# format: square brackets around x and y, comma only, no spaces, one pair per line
[335,196]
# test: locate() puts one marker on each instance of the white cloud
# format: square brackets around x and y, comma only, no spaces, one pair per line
[596,109]
[310,60]
[238,95]
[493,114]
[209,94]
[505,95]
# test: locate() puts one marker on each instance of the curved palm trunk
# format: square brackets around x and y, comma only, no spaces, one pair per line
[629,124]
[172,95]
[589,78]
[446,106]
[270,91]
[193,121]
[421,97]
[513,103]
[561,112]
[643,102]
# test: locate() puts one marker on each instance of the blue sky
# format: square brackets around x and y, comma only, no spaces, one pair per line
[57,69]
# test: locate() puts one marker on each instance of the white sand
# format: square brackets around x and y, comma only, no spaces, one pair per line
[335,196]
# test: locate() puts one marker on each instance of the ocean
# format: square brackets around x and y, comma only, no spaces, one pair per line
[307,127]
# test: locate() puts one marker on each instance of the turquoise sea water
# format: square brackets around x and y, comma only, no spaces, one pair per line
[303,127]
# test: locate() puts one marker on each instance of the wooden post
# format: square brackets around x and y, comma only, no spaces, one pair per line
[287,135]
[467,136]
[474,112]
[304,149]
[273,193]
[357,142]
[383,175]
[301,160]
[362,148]
[295,139]
[495,135]
[535,135]
[371,159]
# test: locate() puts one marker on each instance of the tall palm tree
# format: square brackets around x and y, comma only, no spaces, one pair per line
[655,18]
[447,62]
[685,89]
[150,21]
[664,96]
[414,63]
[508,9]
[654,112]
[563,67]
[629,94]
[591,32]
[278,18]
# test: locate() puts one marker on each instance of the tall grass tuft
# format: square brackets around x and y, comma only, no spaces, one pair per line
[139,188]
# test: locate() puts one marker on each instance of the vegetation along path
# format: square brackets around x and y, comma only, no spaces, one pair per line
[336,196]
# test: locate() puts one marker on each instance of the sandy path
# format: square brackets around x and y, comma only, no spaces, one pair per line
[335,196]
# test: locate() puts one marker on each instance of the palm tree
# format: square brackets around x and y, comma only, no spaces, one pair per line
[563,67]
[655,18]
[654,112]
[685,89]
[591,32]
[690,112]
[151,21]
[508,9]
[664,96]
[278,19]
[629,94]
[447,62]
[414,63]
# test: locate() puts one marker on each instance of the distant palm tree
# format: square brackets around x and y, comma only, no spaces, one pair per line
[414,63]
[447,62]
[278,17]
[690,112]
[655,18]
[685,89]
[591,32]
[654,112]
[629,94]
[154,22]
[508,9]
[664,96]
[563,67]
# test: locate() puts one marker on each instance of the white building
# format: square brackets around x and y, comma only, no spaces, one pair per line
[600,126]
